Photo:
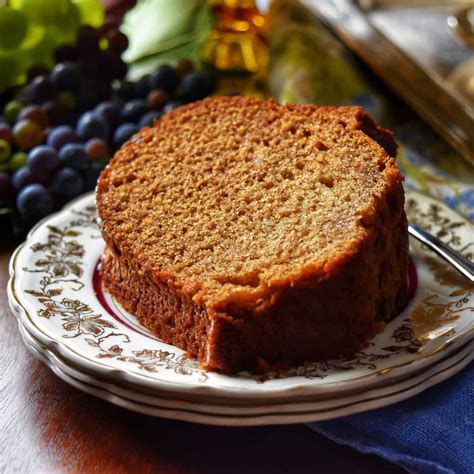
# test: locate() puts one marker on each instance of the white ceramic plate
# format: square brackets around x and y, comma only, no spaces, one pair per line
[245,416]
[318,405]
[54,292]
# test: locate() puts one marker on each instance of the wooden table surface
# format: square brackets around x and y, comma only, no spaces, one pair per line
[47,426]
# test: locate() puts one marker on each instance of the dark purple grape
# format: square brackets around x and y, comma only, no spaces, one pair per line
[104,91]
[56,112]
[92,125]
[43,160]
[25,96]
[108,26]
[87,41]
[164,77]
[67,183]
[6,186]
[120,68]
[66,52]
[27,134]
[118,42]
[110,111]
[197,85]
[123,133]
[73,155]
[89,96]
[184,66]
[133,110]
[35,113]
[111,66]
[22,177]
[94,91]
[6,133]
[91,175]
[36,70]
[173,104]
[156,99]
[142,86]
[126,90]
[149,118]
[89,67]
[66,76]
[97,149]
[34,202]
[42,89]
[62,135]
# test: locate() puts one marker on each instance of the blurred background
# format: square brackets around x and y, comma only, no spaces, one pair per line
[79,77]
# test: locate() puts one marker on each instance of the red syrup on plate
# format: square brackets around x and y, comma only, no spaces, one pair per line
[412,277]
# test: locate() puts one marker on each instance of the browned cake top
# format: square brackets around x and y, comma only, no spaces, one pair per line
[231,197]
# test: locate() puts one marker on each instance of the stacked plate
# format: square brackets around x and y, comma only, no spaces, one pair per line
[89,341]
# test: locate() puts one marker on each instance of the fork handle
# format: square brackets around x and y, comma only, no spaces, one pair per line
[462,264]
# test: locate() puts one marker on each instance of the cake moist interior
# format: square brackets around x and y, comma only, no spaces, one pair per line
[230,200]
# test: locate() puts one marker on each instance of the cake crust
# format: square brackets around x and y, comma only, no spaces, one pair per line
[283,240]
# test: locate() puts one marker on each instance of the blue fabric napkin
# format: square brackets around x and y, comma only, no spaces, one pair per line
[431,433]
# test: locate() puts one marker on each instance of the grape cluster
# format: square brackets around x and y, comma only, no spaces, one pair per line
[30,30]
[60,129]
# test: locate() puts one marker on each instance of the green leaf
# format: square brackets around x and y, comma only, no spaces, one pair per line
[143,66]
[154,41]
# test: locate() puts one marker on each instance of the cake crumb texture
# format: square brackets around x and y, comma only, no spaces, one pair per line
[251,233]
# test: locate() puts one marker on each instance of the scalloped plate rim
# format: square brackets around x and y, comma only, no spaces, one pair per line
[256,420]
[134,377]
[293,407]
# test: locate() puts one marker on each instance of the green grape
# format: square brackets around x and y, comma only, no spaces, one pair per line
[17,160]
[42,12]
[34,39]
[42,52]
[61,18]
[67,99]
[11,110]
[34,35]
[92,12]
[27,134]
[5,151]
[68,23]
[13,27]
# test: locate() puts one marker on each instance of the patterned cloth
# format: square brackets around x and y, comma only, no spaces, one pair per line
[434,431]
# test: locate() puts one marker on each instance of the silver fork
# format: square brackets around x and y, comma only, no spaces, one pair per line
[460,263]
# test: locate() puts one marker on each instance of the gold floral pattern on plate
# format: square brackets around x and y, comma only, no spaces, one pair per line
[55,297]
